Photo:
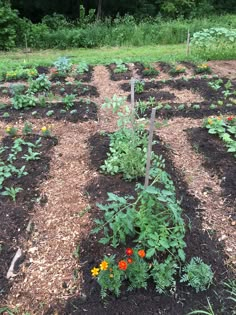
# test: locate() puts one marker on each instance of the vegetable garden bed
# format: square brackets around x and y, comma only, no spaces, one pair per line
[62,208]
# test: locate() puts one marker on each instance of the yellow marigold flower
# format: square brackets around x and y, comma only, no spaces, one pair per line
[104,265]
[95,271]
[8,128]
[44,129]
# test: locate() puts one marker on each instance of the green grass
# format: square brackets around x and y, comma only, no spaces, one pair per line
[105,55]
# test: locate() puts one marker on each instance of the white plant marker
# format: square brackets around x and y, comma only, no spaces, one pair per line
[149,152]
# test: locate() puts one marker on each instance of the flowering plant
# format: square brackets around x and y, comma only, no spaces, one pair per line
[149,70]
[203,68]
[11,131]
[110,274]
[46,131]
[21,73]
[177,69]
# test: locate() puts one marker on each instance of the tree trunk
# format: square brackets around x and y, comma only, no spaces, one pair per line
[99,10]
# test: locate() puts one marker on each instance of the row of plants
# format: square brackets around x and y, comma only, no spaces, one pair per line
[150,70]
[151,221]
[8,164]
[61,68]
[225,129]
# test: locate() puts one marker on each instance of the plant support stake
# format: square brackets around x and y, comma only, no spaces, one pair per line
[188,43]
[132,83]
[149,152]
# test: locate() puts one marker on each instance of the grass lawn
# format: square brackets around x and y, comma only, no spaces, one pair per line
[98,55]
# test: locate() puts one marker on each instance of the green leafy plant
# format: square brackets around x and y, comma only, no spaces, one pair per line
[139,86]
[27,129]
[198,274]
[41,84]
[225,128]
[63,65]
[68,100]
[163,274]
[11,192]
[16,89]
[216,84]
[24,101]
[50,113]
[149,70]
[120,67]
[32,155]
[82,67]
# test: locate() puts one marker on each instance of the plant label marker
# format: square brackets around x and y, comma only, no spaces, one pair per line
[149,152]
[132,83]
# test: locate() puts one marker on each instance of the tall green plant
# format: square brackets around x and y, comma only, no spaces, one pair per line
[8,26]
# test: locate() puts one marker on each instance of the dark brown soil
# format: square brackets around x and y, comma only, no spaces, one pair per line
[85,77]
[15,215]
[42,70]
[191,112]
[195,84]
[201,86]
[119,76]
[84,112]
[217,160]
[199,243]
[79,90]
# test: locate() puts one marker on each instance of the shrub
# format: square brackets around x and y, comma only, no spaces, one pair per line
[8,25]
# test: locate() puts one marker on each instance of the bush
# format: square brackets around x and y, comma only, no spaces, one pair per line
[219,42]
[8,26]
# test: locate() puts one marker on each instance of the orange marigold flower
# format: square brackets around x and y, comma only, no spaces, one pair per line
[122,265]
[104,265]
[129,251]
[141,253]
[129,260]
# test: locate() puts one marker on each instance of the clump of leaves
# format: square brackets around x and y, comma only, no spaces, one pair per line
[120,67]
[198,274]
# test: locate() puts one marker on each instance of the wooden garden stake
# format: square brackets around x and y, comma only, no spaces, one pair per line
[149,152]
[188,43]
[132,82]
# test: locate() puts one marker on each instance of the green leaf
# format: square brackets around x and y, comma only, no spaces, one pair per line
[150,252]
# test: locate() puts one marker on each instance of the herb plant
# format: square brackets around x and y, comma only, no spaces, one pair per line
[198,274]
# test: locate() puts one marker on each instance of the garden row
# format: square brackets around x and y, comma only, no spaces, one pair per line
[24,164]
[148,240]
